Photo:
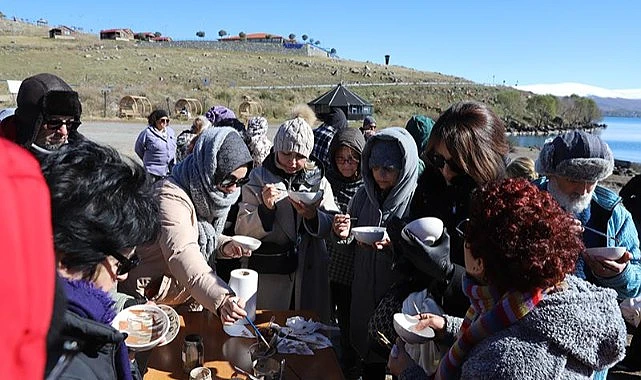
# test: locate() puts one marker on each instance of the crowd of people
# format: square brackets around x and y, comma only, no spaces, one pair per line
[509,287]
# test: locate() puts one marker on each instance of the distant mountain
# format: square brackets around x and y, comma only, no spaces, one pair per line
[626,102]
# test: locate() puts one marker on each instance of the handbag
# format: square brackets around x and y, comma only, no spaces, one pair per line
[382,320]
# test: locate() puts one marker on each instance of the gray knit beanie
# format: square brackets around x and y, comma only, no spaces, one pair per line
[576,155]
[294,135]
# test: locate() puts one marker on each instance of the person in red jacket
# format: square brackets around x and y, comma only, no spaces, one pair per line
[28,269]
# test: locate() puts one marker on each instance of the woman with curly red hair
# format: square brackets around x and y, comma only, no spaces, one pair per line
[529,317]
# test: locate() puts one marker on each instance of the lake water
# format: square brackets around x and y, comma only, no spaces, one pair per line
[623,135]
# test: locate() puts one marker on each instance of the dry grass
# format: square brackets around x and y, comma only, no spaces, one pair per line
[165,75]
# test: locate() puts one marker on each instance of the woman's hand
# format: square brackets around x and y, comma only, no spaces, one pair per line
[306,211]
[231,310]
[399,360]
[341,226]
[383,243]
[433,321]
[271,194]
[233,250]
[607,268]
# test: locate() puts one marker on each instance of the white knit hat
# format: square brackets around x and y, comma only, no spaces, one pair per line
[294,135]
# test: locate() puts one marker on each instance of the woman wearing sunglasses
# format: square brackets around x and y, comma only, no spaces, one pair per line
[102,208]
[467,148]
[156,145]
[292,260]
[179,267]
[529,318]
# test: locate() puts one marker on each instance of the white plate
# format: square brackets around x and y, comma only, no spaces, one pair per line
[174,324]
[157,328]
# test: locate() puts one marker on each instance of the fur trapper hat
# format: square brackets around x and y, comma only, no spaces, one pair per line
[294,135]
[39,97]
[576,155]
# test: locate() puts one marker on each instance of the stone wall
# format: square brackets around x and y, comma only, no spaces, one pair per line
[241,46]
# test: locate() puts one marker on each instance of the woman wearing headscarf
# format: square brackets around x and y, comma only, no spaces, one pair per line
[389,169]
[194,202]
[344,175]
[156,145]
[292,260]
[257,140]
[529,318]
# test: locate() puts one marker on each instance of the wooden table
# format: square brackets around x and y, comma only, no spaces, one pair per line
[223,351]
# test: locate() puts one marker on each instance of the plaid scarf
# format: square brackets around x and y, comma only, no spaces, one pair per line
[489,313]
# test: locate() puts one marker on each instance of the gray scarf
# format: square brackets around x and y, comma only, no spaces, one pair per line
[195,174]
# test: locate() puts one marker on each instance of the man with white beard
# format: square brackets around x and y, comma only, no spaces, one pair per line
[573,164]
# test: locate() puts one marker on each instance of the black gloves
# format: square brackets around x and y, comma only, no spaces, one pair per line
[433,260]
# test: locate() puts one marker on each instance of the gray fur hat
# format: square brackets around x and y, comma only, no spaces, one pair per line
[294,135]
[576,155]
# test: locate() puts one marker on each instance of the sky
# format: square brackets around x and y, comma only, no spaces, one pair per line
[509,42]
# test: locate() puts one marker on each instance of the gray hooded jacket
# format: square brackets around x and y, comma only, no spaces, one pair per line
[569,335]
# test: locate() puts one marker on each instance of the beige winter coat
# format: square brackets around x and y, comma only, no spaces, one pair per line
[312,279]
[172,268]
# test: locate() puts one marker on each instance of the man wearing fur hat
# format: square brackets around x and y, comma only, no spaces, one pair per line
[573,164]
[47,117]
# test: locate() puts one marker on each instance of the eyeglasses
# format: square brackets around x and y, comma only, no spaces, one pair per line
[231,180]
[125,264]
[462,228]
[349,161]
[55,124]
[163,120]
[439,162]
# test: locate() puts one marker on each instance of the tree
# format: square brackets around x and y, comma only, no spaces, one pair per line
[200,34]
[510,101]
[577,111]
[2,16]
[332,52]
[304,37]
[317,42]
[292,36]
[222,33]
[242,35]
[311,40]
[157,34]
[268,36]
[543,108]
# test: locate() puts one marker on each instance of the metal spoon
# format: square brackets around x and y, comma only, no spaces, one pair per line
[616,241]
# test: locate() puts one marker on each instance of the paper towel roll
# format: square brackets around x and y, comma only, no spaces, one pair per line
[244,282]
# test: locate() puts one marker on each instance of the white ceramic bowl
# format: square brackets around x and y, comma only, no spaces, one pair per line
[247,242]
[368,235]
[307,197]
[174,324]
[609,253]
[405,327]
[428,230]
[146,326]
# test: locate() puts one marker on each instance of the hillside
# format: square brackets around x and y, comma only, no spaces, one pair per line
[618,106]
[165,75]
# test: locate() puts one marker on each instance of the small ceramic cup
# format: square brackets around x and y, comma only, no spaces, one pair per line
[200,373]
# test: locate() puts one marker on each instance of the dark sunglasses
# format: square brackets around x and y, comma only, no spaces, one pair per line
[164,120]
[125,264]
[462,228]
[439,162]
[231,180]
[55,124]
